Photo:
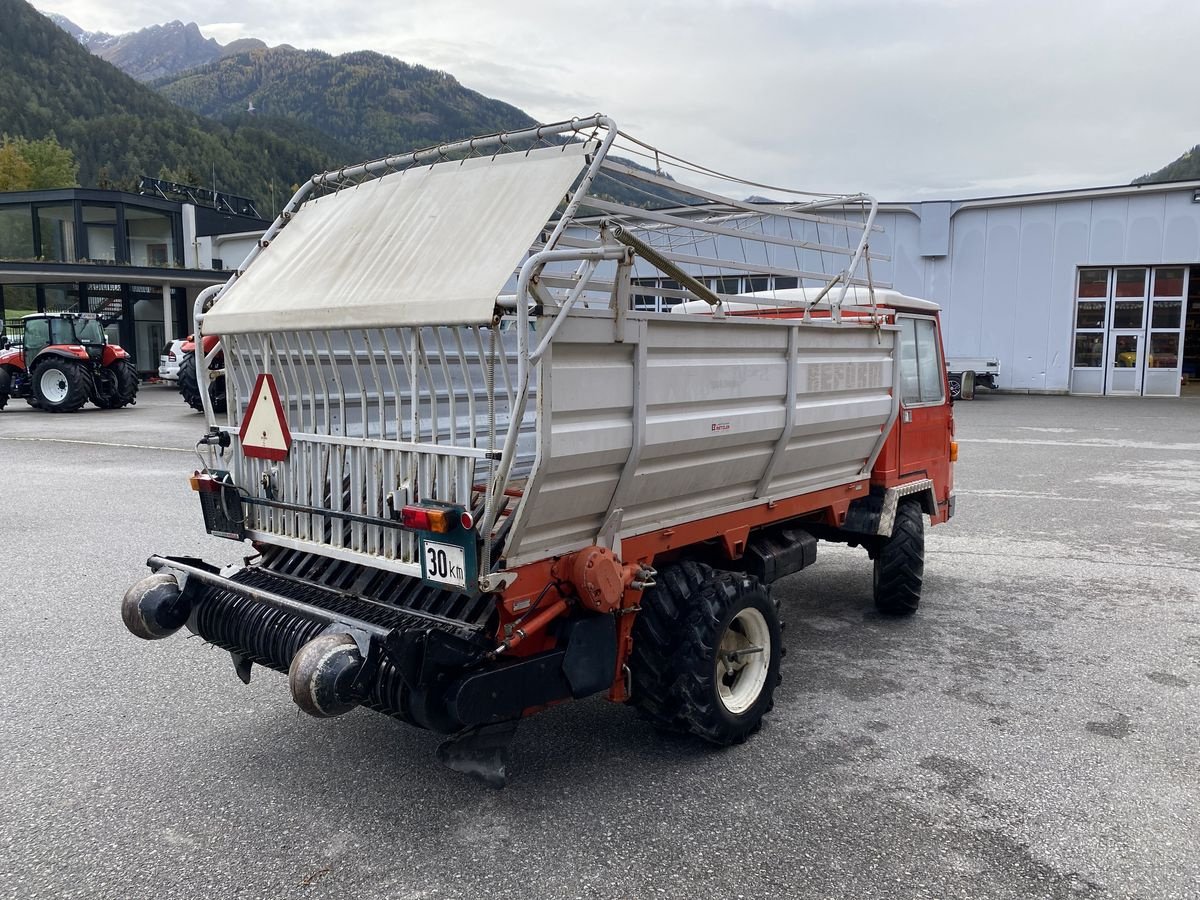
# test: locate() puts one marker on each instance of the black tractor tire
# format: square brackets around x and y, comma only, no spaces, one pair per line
[677,653]
[122,378]
[5,385]
[955,386]
[72,381]
[189,386]
[900,563]
[216,394]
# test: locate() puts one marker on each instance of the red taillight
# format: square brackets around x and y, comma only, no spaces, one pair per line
[171,355]
[466,519]
[421,518]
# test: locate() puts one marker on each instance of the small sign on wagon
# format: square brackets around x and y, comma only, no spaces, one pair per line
[265,433]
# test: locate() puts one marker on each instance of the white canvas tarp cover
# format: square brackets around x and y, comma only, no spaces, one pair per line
[429,245]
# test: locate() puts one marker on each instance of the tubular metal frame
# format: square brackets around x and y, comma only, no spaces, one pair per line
[358,473]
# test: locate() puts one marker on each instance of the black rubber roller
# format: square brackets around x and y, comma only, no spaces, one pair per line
[321,675]
[155,607]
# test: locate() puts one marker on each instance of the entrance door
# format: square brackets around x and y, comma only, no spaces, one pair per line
[1164,351]
[1125,361]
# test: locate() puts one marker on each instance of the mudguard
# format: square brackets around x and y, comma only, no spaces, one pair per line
[67,351]
[111,354]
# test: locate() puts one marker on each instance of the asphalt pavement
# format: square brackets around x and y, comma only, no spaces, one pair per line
[1033,732]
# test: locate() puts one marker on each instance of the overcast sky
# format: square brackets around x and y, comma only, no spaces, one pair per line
[907,99]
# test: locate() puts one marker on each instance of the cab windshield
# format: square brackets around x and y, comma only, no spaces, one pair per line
[76,331]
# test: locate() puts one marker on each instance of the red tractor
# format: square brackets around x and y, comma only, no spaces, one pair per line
[60,361]
[189,384]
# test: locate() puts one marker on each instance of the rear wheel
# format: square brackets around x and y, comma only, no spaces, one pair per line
[706,653]
[5,385]
[900,563]
[955,386]
[189,386]
[116,385]
[60,384]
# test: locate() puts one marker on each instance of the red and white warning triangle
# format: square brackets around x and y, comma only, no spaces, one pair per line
[265,433]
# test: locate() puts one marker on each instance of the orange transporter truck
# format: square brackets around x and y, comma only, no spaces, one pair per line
[499,438]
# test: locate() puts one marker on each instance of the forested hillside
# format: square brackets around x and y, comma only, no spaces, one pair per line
[119,129]
[1186,167]
[372,103]
[312,111]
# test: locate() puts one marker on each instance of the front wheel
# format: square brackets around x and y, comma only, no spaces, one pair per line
[900,563]
[60,384]
[707,648]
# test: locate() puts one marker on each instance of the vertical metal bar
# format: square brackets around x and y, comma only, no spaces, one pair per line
[397,392]
[380,391]
[336,497]
[340,408]
[789,412]
[373,458]
[481,369]
[352,347]
[451,390]
[319,364]
[306,366]
[468,384]
[435,422]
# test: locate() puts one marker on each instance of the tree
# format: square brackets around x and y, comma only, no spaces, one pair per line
[15,173]
[54,165]
[36,165]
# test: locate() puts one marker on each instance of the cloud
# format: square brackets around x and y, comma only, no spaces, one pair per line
[904,99]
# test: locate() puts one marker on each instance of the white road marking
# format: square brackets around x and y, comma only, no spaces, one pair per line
[34,440]
[1115,444]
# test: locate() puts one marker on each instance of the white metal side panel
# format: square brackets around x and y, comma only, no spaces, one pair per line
[843,399]
[424,246]
[682,422]
[588,397]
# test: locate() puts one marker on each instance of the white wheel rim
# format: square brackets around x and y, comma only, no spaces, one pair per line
[743,660]
[54,385]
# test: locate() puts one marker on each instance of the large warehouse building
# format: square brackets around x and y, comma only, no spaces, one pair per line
[1090,292]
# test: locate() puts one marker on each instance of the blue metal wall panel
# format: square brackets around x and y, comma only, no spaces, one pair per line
[1034,309]
[1144,238]
[1106,239]
[1181,230]
[1001,306]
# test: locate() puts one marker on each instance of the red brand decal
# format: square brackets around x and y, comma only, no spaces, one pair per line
[721,426]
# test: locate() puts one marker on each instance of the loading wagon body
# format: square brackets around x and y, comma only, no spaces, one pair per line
[484,472]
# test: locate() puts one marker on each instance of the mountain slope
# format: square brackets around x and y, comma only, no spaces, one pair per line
[119,129]
[157,51]
[1185,168]
[312,110]
[373,103]
[160,50]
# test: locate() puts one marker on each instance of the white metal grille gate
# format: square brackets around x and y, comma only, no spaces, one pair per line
[379,418]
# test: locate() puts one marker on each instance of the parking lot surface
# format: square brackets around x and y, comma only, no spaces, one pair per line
[1033,732]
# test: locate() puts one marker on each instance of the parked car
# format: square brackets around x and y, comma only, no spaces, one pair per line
[169,360]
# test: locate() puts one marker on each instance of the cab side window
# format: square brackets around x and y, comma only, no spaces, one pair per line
[921,376]
[37,336]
